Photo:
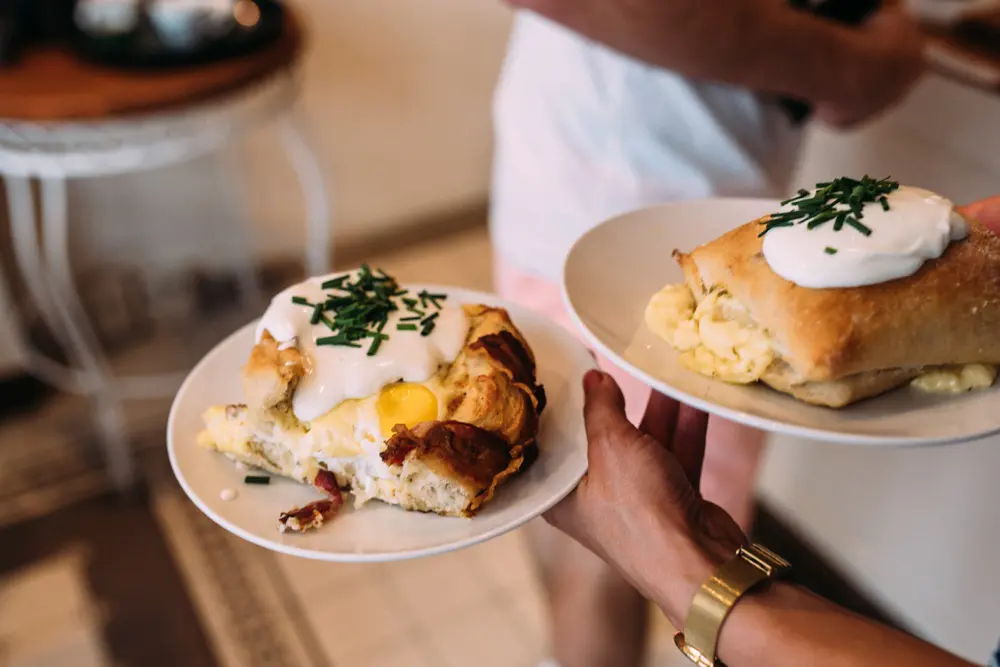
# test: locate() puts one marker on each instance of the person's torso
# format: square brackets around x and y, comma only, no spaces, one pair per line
[584,133]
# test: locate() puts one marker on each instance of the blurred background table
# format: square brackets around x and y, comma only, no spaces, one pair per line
[62,118]
[968,53]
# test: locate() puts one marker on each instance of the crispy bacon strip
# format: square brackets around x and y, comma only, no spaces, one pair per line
[313,515]
[471,452]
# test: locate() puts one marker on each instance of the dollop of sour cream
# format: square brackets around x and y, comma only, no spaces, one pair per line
[918,226]
[337,373]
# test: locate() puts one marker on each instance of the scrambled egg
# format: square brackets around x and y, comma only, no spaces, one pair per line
[715,337]
[347,441]
[957,379]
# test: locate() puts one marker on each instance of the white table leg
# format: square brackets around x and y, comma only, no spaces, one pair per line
[110,418]
[21,207]
[50,285]
[312,178]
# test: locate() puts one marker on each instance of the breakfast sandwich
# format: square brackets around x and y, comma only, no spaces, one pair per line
[357,385]
[849,291]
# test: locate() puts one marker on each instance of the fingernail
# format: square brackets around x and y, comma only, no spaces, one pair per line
[591,379]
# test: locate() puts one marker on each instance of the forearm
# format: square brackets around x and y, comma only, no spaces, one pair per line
[782,625]
[761,45]
[788,626]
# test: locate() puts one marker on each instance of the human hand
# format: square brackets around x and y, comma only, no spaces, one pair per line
[986,211]
[889,61]
[639,507]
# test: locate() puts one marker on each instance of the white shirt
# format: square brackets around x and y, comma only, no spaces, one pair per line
[583,133]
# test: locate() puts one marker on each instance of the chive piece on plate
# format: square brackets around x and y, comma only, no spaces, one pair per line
[256,479]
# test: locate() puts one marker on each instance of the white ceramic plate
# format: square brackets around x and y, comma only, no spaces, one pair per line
[615,268]
[379,532]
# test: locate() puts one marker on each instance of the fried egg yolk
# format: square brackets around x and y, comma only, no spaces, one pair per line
[405,403]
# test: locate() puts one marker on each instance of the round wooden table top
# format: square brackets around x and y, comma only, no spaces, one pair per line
[52,84]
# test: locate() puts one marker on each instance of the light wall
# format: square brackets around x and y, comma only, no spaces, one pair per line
[398,95]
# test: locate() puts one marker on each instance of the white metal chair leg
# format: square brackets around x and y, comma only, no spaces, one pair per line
[110,416]
[24,233]
[312,178]
[59,307]
[251,291]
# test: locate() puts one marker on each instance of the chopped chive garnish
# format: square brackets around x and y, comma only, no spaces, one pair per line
[335,283]
[358,306]
[256,479]
[853,222]
[818,220]
[334,302]
[336,340]
[841,200]
[830,251]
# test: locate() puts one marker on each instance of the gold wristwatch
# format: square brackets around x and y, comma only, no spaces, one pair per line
[712,603]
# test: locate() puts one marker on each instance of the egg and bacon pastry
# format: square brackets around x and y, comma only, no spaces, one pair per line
[851,290]
[360,386]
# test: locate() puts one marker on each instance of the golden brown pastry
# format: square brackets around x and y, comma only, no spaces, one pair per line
[737,319]
[442,444]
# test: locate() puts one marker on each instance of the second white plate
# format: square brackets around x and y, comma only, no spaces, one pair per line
[614,269]
[380,532]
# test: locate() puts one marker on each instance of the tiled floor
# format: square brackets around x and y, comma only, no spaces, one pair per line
[479,607]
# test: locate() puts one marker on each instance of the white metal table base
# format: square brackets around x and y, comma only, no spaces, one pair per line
[51,154]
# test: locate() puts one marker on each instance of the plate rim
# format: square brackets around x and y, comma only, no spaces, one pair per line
[761,423]
[344,557]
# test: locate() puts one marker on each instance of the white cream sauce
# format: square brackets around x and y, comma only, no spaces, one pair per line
[336,373]
[918,227]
